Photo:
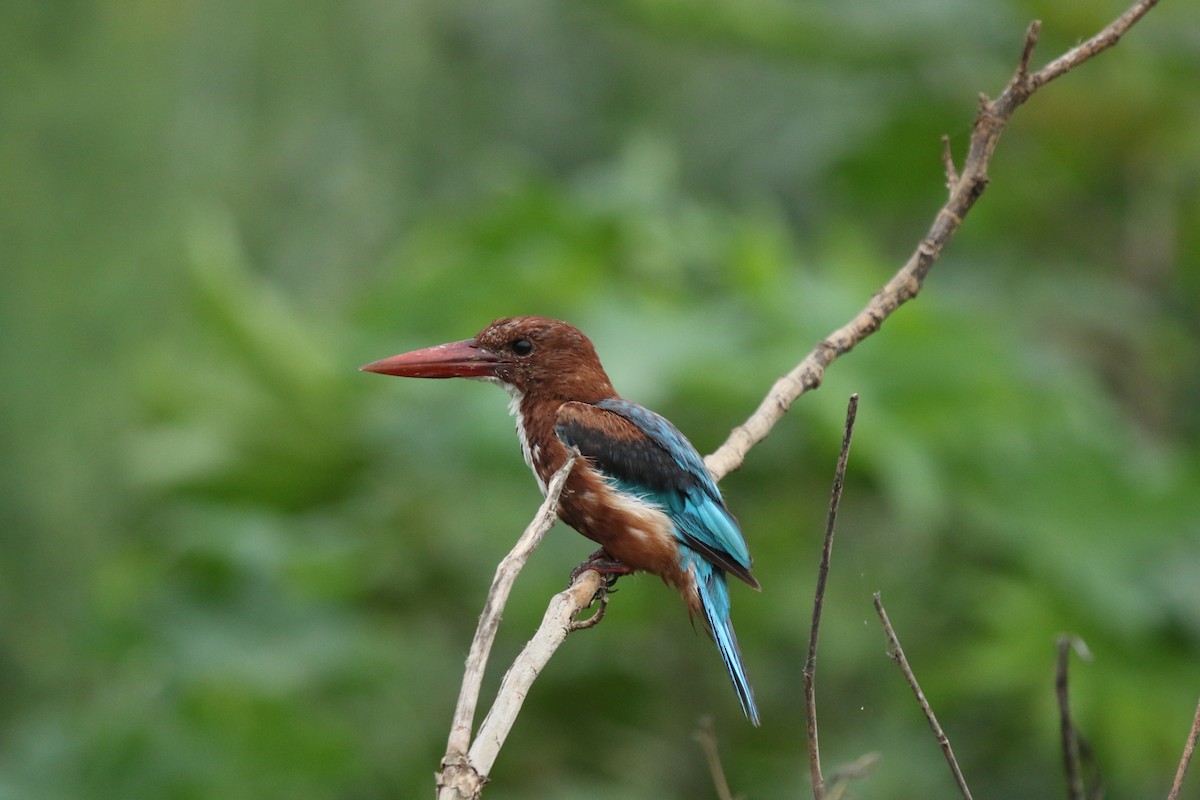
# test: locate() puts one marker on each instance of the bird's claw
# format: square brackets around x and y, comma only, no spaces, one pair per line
[601,596]
[610,570]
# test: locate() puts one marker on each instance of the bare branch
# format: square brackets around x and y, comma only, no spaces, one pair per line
[967,187]
[810,666]
[489,622]
[556,626]
[1188,750]
[897,653]
[464,774]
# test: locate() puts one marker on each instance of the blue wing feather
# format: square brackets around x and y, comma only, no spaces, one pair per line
[693,500]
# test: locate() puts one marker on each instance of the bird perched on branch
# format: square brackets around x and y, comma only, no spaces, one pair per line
[641,491]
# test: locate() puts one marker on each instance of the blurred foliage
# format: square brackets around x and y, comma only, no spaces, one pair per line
[235,567]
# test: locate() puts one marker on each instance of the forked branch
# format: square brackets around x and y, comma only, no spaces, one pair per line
[460,776]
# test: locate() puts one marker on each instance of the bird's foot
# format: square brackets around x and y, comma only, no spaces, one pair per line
[608,567]
[600,597]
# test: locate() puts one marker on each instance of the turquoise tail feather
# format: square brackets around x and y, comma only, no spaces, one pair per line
[714,599]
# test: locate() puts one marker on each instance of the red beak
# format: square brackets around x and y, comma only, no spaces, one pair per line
[464,359]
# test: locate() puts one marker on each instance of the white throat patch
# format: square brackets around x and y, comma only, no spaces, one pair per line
[531,454]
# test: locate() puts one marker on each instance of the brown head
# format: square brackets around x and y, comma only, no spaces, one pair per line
[535,356]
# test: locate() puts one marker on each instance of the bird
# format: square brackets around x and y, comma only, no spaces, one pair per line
[639,489]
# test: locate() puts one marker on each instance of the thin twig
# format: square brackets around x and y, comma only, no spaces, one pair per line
[706,735]
[810,666]
[1188,750]
[897,653]
[1070,743]
[906,284]
[1077,755]
[1097,44]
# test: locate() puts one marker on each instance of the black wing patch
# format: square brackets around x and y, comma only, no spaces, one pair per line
[617,447]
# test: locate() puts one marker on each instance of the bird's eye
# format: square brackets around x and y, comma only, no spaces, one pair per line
[522,347]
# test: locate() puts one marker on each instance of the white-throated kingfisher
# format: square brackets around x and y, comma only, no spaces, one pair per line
[640,490]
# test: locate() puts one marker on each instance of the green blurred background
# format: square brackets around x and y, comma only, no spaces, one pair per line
[233,566]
